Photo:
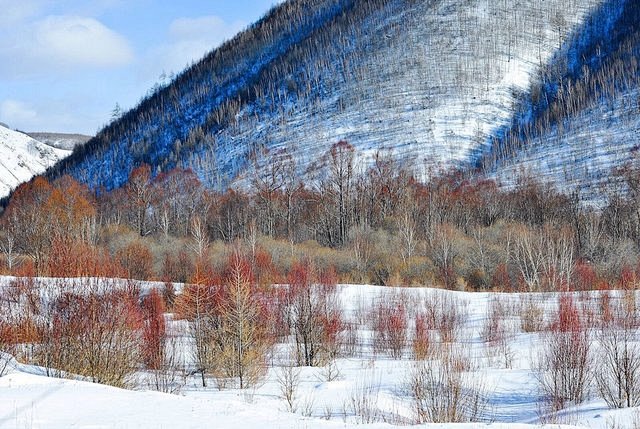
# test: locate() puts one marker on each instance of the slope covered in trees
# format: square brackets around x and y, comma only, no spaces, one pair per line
[426,79]
[581,117]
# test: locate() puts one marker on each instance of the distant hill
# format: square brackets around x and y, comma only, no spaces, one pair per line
[60,140]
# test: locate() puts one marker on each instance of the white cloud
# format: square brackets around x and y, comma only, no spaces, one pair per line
[189,40]
[77,41]
[62,43]
[17,11]
[16,114]
[70,41]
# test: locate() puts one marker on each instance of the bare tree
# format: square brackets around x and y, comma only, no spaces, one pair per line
[341,176]
[408,236]
[242,337]
[197,304]
[618,375]
[527,257]
[199,238]
[590,234]
[140,194]
[444,251]
[8,248]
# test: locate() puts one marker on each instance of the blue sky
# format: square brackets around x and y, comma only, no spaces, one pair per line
[64,64]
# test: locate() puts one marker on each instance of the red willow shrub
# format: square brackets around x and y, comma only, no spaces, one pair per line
[564,366]
[93,331]
[313,314]
[154,333]
[422,340]
[390,325]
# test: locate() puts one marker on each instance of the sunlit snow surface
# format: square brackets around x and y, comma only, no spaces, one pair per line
[22,157]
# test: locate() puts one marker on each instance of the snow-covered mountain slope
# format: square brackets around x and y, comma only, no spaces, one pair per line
[582,156]
[426,79]
[60,140]
[582,118]
[22,157]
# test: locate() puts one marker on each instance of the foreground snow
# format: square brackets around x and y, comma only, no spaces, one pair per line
[36,401]
[30,399]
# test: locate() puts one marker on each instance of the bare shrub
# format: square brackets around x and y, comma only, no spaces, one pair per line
[423,339]
[7,334]
[363,402]
[493,328]
[288,379]
[497,333]
[313,316]
[331,372]
[5,361]
[442,394]
[351,344]
[448,315]
[531,314]
[169,375]
[327,412]
[564,365]
[618,375]
[308,405]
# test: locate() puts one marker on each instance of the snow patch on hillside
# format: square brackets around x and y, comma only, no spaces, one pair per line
[60,140]
[22,157]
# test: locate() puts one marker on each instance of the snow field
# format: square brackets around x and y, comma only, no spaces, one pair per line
[364,387]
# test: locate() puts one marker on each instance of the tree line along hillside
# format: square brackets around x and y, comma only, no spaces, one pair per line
[378,225]
[580,116]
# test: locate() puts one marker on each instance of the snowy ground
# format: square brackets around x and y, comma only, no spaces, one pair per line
[22,158]
[29,399]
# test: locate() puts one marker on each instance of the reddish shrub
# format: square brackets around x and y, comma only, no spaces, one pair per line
[137,261]
[177,268]
[565,361]
[390,326]
[568,318]
[422,340]
[154,330]
[584,277]
[501,280]
[627,279]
